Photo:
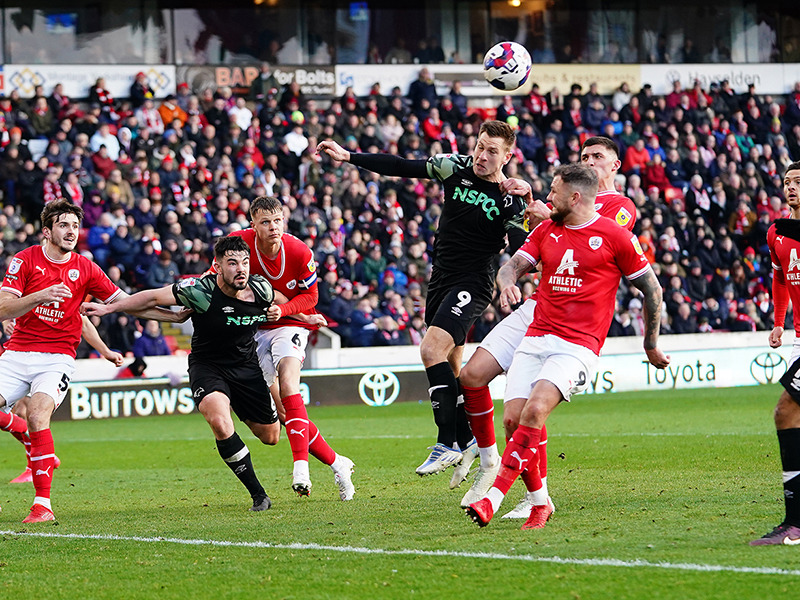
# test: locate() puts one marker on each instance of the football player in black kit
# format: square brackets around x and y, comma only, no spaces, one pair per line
[481,207]
[224,373]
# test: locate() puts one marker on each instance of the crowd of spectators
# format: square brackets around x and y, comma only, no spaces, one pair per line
[159,180]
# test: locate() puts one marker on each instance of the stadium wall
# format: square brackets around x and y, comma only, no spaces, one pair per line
[381,376]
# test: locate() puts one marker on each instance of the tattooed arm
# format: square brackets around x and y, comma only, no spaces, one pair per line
[507,280]
[651,288]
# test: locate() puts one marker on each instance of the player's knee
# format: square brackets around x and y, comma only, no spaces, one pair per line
[270,436]
[222,427]
[431,354]
[470,378]
[787,413]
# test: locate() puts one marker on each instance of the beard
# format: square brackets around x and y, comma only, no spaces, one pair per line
[64,245]
[558,216]
[236,283]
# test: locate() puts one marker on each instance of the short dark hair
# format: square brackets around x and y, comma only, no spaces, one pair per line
[795,166]
[605,142]
[53,210]
[499,129]
[268,204]
[578,175]
[231,243]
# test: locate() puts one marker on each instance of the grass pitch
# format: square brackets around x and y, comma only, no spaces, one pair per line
[657,496]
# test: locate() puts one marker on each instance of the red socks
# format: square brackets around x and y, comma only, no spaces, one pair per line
[318,447]
[519,453]
[43,464]
[297,426]
[480,413]
[13,423]
[543,452]
[533,474]
[25,440]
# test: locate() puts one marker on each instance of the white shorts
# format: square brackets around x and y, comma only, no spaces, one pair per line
[568,366]
[28,373]
[795,351]
[273,345]
[507,335]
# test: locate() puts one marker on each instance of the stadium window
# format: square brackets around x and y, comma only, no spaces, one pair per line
[240,34]
[98,32]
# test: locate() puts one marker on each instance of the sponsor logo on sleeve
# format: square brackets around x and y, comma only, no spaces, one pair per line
[636,245]
[623,217]
[16,263]
[190,282]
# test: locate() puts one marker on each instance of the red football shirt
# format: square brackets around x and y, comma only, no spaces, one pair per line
[616,207]
[785,253]
[54,327]
[581,269]
[292,272]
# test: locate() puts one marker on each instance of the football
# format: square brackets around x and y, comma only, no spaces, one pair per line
[507,66]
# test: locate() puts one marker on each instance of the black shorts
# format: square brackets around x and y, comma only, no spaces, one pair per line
[456,300]
[243,384]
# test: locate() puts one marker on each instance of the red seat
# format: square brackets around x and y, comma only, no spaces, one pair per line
[172,343]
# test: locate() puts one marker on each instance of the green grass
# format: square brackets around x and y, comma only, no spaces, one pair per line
[673,477]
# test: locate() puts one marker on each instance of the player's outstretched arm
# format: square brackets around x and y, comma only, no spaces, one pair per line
[507,280]
[651,288]
[12,306]
[140,304]
[385,164]
[92,337]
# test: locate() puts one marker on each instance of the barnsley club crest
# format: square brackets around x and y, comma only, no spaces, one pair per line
[595,242]
[73,274]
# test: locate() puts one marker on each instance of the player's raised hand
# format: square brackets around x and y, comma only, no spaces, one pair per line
[317,320]
[334,150]
[114,357]
[510,296]
[95,309]
[775,336]
[516,187]
[657,358]
[536,212]
[55,293]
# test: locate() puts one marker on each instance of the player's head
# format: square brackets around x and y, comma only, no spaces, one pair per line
[266,217]
[61,223]
[574,185]
[493,149]
[232,261]
[601,154]
[791,185]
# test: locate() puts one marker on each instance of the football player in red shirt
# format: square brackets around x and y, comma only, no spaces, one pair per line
[290,267]
[43,289]
[583,256]
[495,353]
[783,239]
[92,337]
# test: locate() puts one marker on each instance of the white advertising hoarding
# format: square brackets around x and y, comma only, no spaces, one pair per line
[771,78]
[77,80]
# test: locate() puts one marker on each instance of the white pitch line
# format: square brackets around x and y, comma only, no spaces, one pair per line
[590,562]
[425,437]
